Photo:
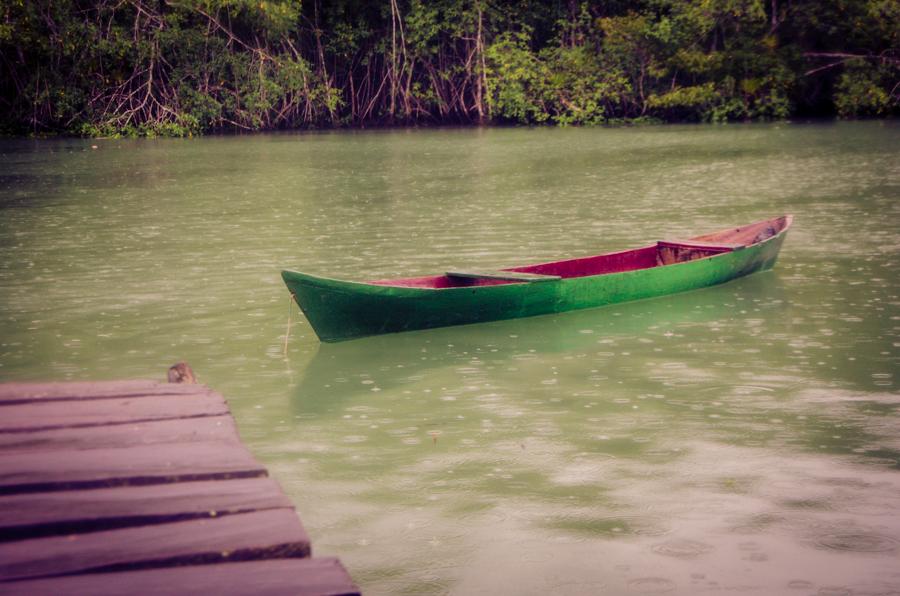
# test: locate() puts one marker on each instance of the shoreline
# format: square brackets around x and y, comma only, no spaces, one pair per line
[833,120]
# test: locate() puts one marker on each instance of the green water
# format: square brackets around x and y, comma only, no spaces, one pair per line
[740,438]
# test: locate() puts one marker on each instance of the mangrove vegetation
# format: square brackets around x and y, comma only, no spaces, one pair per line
[180,67]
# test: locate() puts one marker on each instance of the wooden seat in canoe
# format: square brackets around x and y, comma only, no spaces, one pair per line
[722,246]
[503,275]
[669,252]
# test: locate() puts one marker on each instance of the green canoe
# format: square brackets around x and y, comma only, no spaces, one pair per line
[340,310]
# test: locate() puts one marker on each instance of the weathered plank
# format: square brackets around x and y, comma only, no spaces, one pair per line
[113,488]
[38,471]
[241,537]
[64,512]
[14,393]
[83,413]
[214,429]
[283,577]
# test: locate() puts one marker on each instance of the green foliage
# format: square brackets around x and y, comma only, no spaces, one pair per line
[184,67]
[861,92]
[515,79]
[692,100]
[580,89]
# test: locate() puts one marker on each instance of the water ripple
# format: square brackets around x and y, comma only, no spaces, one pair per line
[682,548]
[651,585]
[858,542]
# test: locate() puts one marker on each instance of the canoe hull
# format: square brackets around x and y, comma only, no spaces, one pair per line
[340,310]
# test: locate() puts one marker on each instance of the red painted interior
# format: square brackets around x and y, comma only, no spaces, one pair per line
[629,260]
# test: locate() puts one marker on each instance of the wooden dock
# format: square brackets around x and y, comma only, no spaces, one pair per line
[143,487]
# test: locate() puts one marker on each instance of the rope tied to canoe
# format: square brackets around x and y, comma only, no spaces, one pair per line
[287,333]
